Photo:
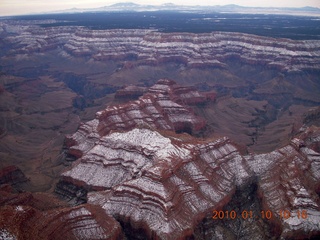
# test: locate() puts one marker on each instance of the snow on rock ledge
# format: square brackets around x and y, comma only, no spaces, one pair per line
[167,185]
[157,109]
[163,184]
[149,47]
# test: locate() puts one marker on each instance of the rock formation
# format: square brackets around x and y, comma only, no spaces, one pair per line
[289,185]
[156,109]
[41,216]
[175,182]
[164,186]
[151,47]
[160,184]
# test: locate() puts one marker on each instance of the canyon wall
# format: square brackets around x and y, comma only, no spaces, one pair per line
[149,47]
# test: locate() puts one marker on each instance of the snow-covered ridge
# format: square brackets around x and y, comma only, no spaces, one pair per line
[143,173]
[152,47]
[164,185]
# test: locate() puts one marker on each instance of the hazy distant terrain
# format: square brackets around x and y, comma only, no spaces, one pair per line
[272,25]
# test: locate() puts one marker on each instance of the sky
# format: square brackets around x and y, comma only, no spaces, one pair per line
[18,7]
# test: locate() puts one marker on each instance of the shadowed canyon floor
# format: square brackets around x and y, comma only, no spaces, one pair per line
[236,129]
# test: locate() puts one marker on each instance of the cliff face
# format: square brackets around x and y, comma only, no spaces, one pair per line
[148,47]
[165,185]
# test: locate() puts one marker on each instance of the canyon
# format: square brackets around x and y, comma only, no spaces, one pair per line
[141,134]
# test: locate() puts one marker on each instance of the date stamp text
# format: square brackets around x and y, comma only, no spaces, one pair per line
[282,214]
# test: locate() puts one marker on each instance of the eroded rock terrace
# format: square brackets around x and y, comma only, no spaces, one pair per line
[155,109]
[40,216]
[163,184]
[152,47]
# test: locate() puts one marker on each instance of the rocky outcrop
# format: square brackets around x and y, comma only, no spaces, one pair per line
[157,109]
[189,95]
[82,222]
[35,39]
[164,185]
[161,184]
[151,47]
[289,185]
[38,216]
[72,193]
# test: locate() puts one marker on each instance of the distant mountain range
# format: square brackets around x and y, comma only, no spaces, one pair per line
[231,8]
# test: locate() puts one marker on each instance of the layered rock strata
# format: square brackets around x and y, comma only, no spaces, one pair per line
[163,184]
[38,216]
[152,47]
[156,109]
[289,185]
[42,216]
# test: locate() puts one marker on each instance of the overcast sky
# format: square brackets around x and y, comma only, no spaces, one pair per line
[16,7]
